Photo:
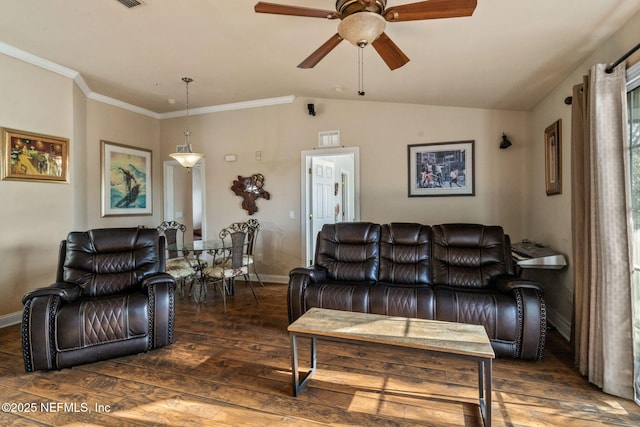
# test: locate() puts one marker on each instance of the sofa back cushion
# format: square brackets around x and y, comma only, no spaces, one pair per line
[468,255]
[349,251]
[112,260]
[405,253]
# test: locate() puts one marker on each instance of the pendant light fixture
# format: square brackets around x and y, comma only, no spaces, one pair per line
[188,158]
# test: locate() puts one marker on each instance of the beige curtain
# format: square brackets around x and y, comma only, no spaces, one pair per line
[601,262]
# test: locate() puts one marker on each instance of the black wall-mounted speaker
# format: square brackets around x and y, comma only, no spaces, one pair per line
[312,109]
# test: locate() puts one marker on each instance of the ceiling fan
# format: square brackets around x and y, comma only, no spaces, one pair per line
[362,22]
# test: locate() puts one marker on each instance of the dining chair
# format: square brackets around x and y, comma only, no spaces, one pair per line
[179,265]
[253,226]
[228,262]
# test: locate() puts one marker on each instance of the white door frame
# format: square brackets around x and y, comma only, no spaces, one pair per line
[305,208]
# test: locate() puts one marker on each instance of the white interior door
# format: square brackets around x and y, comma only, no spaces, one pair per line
[322,184]
[326,197]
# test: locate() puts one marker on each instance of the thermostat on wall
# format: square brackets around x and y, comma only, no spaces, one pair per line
[230,158]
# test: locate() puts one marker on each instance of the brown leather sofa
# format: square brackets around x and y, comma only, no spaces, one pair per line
[111,298]
[450,272]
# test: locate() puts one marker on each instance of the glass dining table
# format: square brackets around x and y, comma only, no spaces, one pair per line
[192,251]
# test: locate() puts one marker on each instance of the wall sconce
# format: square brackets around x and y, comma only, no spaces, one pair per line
[505,143]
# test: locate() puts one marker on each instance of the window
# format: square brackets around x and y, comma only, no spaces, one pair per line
[633,111]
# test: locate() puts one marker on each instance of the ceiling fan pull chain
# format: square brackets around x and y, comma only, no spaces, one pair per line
[360,72]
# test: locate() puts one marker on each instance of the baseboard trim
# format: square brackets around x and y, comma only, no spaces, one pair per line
[10,319]
[270,278]
[561,324]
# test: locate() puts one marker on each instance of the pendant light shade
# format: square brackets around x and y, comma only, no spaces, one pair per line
[187,159]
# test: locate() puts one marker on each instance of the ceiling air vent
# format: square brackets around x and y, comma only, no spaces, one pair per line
[130,3]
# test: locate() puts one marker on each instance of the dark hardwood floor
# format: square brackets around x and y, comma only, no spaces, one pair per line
[234,370]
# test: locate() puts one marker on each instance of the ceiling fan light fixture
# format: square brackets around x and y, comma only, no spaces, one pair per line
[361,28]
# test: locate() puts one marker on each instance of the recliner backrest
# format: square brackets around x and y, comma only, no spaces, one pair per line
[113,260]
[349,251]
[405,253]
[468,255]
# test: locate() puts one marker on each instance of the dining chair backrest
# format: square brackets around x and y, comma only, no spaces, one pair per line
[237,248]
[233,239]
[253,226]
[170,231]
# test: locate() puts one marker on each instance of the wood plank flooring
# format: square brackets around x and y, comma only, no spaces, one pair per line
[234,370]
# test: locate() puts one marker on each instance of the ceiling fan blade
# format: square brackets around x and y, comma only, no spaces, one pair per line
[321,52]
[431,9]
[389,52]
[282,9]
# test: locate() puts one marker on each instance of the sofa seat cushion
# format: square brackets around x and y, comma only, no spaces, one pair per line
[405,301]
[344,296]
[95,321]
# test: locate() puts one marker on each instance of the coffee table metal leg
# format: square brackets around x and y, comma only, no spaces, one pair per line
[484,390]
[300,382]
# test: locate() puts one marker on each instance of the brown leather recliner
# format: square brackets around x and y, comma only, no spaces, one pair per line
[111,298]
[451,272]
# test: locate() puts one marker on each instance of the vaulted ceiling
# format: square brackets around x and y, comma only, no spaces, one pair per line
[508,55]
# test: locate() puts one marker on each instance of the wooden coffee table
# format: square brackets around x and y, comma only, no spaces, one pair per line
[460,339]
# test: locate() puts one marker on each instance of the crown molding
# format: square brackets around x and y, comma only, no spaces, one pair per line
[266,102]
[77,78]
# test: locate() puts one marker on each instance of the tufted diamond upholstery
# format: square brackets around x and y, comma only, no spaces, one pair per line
[469,255]
[450,272]
[111,298]
[349,251]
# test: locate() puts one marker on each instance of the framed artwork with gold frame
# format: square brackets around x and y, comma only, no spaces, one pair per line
[28,156]
[553,158]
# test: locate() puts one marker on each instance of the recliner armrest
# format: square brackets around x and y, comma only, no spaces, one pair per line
[66,291]
[509,283]
[315,273]
[155,279]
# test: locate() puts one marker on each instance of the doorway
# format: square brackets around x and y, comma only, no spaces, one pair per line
[184,197]
[330,192]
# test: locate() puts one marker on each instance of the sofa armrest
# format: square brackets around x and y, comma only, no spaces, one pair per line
[160,288]
[64,290]
[155,279]
[508,284]
[532,313]
[299,278]
[315,273]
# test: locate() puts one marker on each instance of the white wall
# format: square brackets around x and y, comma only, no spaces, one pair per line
[34,216]
[382,131]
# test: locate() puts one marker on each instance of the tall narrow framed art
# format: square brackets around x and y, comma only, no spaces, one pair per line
[553,158]
[126,180]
